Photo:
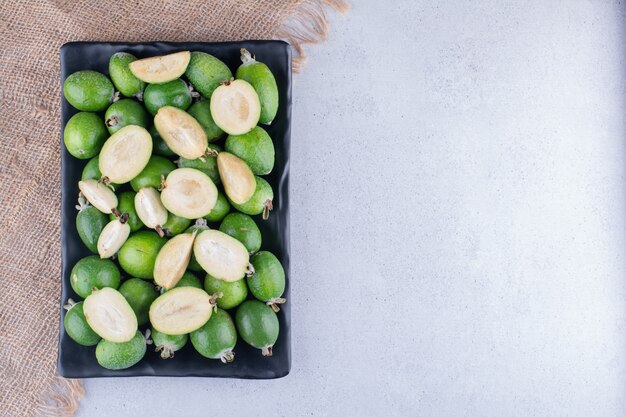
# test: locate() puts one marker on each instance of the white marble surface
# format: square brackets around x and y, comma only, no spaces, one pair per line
[458,222]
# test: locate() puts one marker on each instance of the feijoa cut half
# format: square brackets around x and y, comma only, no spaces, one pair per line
[181,132]
[99,195]
[216,339]
[257,325]
[244,229]
[267,283]
[150,209]
[221,256]
[262,201]
[122,77]
[255,148]
[237,177]
[125,154]
[139,294]
[84,135]
[92,272]
[189,193]
[167,344]
[110,316]
[116,356]
[235,107]
[160,69]
[172,260]
[88,90]
[113,236]
[206,72]
[261,78]
[181,310]
[125,112]
[76,325]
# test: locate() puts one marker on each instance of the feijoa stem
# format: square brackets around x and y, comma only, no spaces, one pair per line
[82,202]
[273,303]
[116,212]
[123,218]
[228,356]
[163,183]
[213,299]
[112,121]
[70,303]
[246,56]
[227,82]
[116,97]
[250,270]
[160,230]
[267,207]
[210,152]
[266,351]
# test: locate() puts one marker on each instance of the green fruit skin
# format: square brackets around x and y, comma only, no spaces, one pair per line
[205,72]
[209,166]
[151,175]
[84,135]
[122,77]
[88,91]
[159,146]
[139,294]
[268,280]
[217,336]
[175,225]
[116,356]
[235,292]
[189,280]
[244,229]
[126,112]
[89,223]
[173,93]
[162,339]
[264,83]
[126,204]
[92,272]
[92,171]
[77,328]
[221,209]
[139,252]
[256,204]
[257,324]
[255,148]
[201,111]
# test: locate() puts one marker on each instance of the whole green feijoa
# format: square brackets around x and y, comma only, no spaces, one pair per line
[167,344]
[122,77]
[189,280]
[199,226]
[139,252]
[221,208]
[257,325]
[205,72]
[267,283]
[139,294]
[157,168]
[264,83]
[234,292]
[173,93]
[92,272]
[255,148]
[126,204]
[84,135]
[88,90]
[244,229]
[217,338]
[89,223]
[158,144]
[114,356]
[175,225]
[208,166]
[76,325]
[125,112]
[260,202]
[201,111]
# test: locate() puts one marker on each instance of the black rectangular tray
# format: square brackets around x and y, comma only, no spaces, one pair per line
[75,361]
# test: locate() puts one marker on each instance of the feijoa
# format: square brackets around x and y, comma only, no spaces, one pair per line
[113,236]
[255,148]
[167,344]
[139,294]
[110,316]
[125,154]
[84,135]
[89,223]
[206,164]
[117,356]
[88,91]
[172,260]
[189,280]
[157,168]
[126,204]
[138,254]
[181,132]
[267,283]
[76,325]
[221,208]
[236,176]
[235,107]
[206,72]
[150,209]
[220,255]
[216,339]
[175,225]
[264,83]
[262,201]
[158,144]
[92,272]
[123,79]
[257,325]
[172,93]
[201,111]
[160,69]
[125,112]
[244,229]
[181,310]
[234,292]
[189,193]
[99,195]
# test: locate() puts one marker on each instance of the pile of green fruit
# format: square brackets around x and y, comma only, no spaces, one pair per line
[155,180]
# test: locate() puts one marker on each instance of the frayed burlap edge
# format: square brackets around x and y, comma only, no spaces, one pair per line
[62,399]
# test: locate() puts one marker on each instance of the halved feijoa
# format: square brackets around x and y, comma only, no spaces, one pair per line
[257,325]
[201,111]
[267,283]
[206,72]
[181,132]
[233,292]
[113,236]
[76,325]
[189,193]
[235,107]
[160,69]
[262,201]
[206,163]
[125,154]
[126,205]
[99,195]
[139,294]
[88,90]
[221,209]
[110,316]
[181,310]
[138,254]
[122,77]
[216,339]
[172,260]
[255,148]
[172,93]
[220,255]
[115,356]
[150,209]
[244,229]
[84,135]
[237,178]
[125,112]
[167,344]
[264,83]
[89,223]
[92,272]
[155,170]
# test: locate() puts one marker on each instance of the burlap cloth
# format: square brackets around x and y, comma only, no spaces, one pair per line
[30,260]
